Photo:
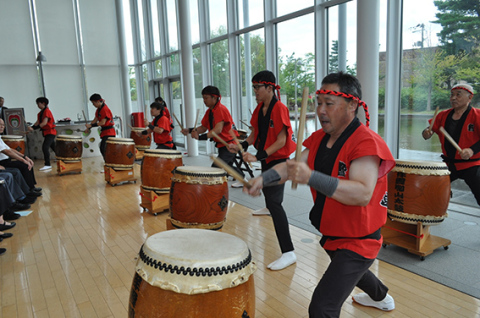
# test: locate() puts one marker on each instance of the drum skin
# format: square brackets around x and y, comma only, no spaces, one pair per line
[68,149]
[142,142]
[15,142]
[418,192]
[120,153]
[147,301]
[198,199]
[157,167]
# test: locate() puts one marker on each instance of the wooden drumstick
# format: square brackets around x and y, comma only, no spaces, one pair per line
[178,121]
[246,124]
[447,135]
[219,138]
[239,145]
[222,164]
[433,119]
[301,129]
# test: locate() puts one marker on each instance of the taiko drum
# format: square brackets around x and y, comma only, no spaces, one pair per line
[198,197]
[142,142]
[68,148]
[193,273]
[242,134]
[120,153]
[15,142]
[157,169]
[418,191]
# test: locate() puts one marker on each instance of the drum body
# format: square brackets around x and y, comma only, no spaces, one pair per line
[418,191]
[68,148]
[120,153]
[198,197]
[242,134]
[15,142]
[142,142]
[193,273]
[157,167]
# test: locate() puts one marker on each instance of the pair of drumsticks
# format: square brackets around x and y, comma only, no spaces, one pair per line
[444,132]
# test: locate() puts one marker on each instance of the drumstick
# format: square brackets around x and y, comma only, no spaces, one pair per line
[219,138]
[433,119]
[301,128]
[178,121]
[246,124]
[240,145]
[447,135]
[219,162]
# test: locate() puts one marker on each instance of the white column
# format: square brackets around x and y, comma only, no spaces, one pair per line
[367,57]
[188,84]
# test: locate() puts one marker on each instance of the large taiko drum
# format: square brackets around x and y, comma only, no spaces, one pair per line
[120,153]
[142,142]
[198,197]
[157,169]
[68,148]
[15,142]
[242,134]
[193,273]
[418,191]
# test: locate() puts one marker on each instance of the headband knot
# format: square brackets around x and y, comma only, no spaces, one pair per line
[348,96]
[275,86]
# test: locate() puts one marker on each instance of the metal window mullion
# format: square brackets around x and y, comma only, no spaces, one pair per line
[270,37]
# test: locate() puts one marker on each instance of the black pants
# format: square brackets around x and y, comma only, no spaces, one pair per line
[228,157]
[347,269]
[161,146]
[471,176]
[48,142]
[5,201]
[28,175]
[103,145]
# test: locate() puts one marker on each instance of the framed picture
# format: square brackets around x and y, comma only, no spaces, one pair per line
[14,121]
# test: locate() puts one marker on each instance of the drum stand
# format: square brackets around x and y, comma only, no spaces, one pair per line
[114,177]
[68,167]
[139,153]
[154,202]
[416,238]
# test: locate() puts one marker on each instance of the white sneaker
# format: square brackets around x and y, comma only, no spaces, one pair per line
[45,168]
[263,211]
[237,184]
[387,304]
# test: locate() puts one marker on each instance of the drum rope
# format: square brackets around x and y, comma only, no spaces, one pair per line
[144,196]
[403,232]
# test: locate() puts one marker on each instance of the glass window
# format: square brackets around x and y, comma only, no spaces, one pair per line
[128,32]
[220,70]
[218,17]
[143,55]
[174,60]
[296,63]
[133,87]
[197,72]
[146,95]
[252,59]
[250,12]
[172,26]
[289,6]
[155,28]
[158,68]
[194,21]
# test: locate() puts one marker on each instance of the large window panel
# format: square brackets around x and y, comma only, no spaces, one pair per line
[296,62]
[289,6]
[194,24]
[155,28]
[220,70]
[218,17]
[127,20]
[172,26]
[141,28]
[250,12]
[252,61]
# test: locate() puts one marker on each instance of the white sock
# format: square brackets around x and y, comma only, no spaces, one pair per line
[284,261]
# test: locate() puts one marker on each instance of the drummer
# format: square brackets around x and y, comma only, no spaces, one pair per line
[166,113]
[219,120]
[161,127]
[46,123]
[462,122]
[104,119]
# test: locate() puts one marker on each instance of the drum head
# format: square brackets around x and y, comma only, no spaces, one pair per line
[138,128]
[421,167]
[10,137]
[126,141]
[166,152]
[193,261]
[69,137]
[200,171]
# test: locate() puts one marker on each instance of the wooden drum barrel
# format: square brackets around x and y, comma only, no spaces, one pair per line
[157,169]
[15,142]
[198,197]
[418,191]
[68,148]
[142,142]
[120,153]
[193,273]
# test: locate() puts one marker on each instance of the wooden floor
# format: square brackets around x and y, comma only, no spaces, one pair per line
[75,255]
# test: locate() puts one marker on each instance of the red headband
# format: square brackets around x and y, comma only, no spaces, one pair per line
[277,87]
[349,96]
[465,89]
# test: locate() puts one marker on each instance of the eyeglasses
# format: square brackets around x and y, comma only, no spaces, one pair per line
[255,87]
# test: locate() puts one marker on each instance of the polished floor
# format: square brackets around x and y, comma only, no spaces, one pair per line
[75,254]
